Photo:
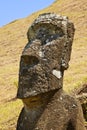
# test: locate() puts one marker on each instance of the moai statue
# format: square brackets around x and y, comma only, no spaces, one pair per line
[42,65]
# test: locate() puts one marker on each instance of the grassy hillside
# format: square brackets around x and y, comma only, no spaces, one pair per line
[12,40]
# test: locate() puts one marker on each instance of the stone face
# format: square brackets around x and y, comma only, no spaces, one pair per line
[42,65]
[49,48]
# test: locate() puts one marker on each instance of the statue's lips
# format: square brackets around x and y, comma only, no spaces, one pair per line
[35,77]
[35,84]
[32,84]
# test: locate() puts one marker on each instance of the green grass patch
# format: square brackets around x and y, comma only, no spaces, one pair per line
[9,112]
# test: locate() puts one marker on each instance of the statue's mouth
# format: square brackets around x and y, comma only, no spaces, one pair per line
[38,83]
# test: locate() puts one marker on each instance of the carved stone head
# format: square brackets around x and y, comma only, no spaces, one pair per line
[46,55]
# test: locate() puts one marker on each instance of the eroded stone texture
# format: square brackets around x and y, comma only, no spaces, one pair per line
[81,95]
[42,65]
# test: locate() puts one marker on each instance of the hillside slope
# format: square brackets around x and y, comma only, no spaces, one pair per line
[13,39]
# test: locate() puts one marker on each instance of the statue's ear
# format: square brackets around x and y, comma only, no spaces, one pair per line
[67,46]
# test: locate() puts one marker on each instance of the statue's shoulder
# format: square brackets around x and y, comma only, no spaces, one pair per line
[65,102]
[69,101]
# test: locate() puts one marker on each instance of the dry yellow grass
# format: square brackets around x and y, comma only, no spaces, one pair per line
[13,39]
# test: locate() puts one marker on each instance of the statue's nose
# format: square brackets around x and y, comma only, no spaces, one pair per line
[28,62]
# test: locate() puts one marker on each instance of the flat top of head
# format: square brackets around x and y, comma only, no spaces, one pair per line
[49,18]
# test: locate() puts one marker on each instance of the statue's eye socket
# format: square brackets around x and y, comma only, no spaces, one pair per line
[30,61]
[47,34]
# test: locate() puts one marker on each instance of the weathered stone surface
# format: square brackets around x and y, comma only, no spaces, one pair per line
[81,95]
[49,48]
[42,65]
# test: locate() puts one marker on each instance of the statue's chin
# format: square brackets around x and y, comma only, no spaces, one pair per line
[38,100]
